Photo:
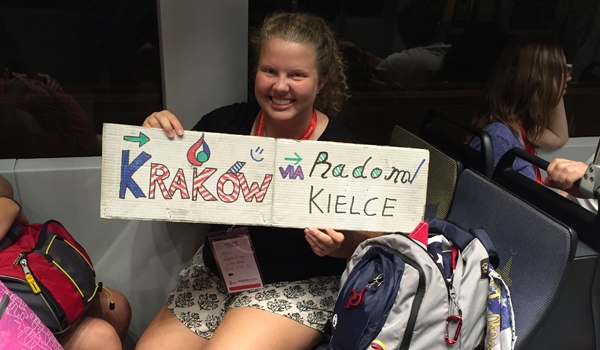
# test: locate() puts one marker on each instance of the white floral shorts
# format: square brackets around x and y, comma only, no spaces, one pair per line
[200,299]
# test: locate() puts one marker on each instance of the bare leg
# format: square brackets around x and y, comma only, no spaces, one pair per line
[166,331]
[253,329]
[119,318]
[91,334]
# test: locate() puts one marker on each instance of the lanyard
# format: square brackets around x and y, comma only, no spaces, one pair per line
[310,129]
[530,149]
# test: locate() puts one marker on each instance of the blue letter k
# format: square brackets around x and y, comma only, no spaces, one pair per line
[127,170]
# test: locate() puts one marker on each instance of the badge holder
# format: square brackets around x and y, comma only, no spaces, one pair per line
[236,259]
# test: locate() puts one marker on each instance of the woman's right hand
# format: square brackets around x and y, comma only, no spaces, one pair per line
[563,174]
[165,120]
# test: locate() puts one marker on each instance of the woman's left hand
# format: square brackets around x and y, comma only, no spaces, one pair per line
[324,243]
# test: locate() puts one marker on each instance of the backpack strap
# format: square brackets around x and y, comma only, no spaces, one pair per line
[456,234]
[461,238]
[484,238]
[14,233]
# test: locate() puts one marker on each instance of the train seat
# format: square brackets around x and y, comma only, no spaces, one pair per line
[576,314]
[442,176]
[448,135]
[535,250]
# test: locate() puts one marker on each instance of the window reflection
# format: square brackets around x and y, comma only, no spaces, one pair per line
[388,91]
[82,63]
[68,67]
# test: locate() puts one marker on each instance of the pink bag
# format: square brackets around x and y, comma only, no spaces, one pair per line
[20,328]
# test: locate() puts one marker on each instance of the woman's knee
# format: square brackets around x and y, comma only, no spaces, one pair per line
[119,317]
[91,333]
[166,331]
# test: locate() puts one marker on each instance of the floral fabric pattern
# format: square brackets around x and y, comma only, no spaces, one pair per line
[200,299]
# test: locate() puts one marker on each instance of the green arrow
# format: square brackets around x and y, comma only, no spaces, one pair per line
[142,139]
[298,159]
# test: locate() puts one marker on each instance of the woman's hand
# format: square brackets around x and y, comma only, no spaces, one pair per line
[165,120]
[563,173]
[334,243]
[324,243]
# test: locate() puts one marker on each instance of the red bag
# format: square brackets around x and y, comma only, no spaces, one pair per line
[50,271]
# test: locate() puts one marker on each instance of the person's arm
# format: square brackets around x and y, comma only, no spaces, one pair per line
[563,173]
[9,209]
[336,244]
[9,212]
[557,133]
[361,54]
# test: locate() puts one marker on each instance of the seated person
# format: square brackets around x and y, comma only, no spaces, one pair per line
[66,129]
[523,101]
[419,26]
[563,174]
[299,85]
[100,327]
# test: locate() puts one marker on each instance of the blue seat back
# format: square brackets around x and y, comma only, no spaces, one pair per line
[534,248]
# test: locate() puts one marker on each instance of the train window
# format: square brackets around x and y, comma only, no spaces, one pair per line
[68,67]
[405,57]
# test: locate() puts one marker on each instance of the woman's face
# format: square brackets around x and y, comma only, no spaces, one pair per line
[287,80]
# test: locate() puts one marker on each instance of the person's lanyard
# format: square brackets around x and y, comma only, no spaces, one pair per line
[530,149]
[310,129]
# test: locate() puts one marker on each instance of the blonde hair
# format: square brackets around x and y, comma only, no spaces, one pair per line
[312,31]
[526,83]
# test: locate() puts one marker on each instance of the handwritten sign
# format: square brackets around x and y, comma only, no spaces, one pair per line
[248,180]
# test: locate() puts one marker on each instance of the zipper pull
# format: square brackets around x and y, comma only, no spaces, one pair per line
[375,283]
[454,320]
[453,298]
[29,277]
[18,259]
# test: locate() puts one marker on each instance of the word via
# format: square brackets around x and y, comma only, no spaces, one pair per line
[293,174]
[228,187]
[396,174]
[339,204]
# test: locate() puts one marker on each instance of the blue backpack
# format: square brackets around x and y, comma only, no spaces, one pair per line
[400,292]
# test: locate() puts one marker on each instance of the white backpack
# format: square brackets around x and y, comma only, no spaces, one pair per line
[395,296]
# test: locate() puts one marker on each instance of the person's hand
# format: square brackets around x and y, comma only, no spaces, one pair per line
[49,82]
[323,243]
[345,44]
[563,173]
[16,85]
[165,120]
[349,46]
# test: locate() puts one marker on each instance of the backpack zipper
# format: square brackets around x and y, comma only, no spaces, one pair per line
[35,288]
[452,300]
[418,299]
[450,293]
[34,285]
[42,294]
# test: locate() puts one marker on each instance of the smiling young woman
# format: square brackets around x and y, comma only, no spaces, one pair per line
[299,85]
[286,86]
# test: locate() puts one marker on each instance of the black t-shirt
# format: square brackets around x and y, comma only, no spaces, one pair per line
[283,253]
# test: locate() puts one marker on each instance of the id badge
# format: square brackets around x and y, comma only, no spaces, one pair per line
[236,259]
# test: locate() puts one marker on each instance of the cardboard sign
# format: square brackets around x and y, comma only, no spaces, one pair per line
[249,180]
